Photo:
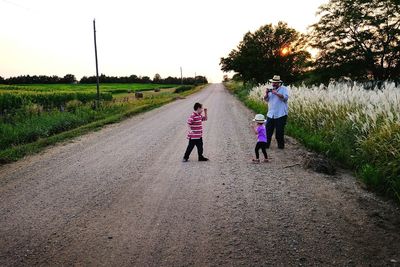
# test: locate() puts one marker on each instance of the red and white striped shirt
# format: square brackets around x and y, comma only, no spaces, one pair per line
[195,122]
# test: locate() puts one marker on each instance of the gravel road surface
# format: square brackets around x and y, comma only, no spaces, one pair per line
[122,197]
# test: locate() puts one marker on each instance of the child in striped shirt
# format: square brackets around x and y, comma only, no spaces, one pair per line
[195,135]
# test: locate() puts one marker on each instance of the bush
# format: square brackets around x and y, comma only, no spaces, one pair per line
[183,88]
[72,105]
[32,109]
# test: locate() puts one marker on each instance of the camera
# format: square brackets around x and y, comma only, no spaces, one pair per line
[269,90]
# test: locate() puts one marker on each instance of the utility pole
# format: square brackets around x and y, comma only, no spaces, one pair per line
[97,67]
[181,76]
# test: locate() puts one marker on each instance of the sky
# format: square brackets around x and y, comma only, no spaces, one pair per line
[141,37]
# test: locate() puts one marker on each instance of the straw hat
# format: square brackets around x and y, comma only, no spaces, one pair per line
[276,79]
[259,118]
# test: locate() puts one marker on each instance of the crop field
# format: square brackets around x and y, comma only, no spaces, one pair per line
[33,116]
[56,95]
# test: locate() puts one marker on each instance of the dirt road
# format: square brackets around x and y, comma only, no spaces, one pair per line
[122,197]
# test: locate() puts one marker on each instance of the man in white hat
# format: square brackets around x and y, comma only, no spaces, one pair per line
[277,99]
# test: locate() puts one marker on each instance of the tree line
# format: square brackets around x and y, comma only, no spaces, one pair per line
[145,79]
[359,39]
[38,79]
[71,79]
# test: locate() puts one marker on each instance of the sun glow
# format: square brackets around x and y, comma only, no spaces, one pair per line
[285,51]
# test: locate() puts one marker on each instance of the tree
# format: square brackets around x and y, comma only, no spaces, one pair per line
[269,50]
[358,38]
[145,79]
[86,80]
[157,78]
[69,78]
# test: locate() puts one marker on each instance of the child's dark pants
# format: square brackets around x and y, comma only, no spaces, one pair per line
[194,142]
[263,146]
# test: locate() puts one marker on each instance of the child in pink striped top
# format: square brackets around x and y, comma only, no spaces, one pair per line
[195,135]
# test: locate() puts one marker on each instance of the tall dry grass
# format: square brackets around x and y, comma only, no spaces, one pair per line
[355,126]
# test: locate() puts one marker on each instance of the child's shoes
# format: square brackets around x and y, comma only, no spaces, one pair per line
[255,160]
